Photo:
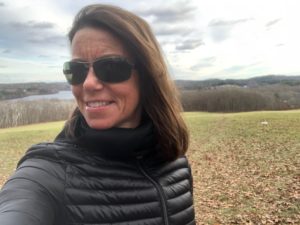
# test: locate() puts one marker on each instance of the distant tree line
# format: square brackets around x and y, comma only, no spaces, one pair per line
[241,99]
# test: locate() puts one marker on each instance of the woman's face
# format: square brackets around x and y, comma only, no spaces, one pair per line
[105,105]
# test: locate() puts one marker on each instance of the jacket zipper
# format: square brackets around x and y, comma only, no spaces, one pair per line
[159,190]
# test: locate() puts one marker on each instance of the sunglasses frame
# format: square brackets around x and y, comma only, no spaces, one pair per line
[107,78]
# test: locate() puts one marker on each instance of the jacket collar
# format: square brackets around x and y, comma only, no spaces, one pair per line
[115,142]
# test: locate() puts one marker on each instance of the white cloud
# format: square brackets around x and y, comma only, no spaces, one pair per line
[201,39]
[13,70]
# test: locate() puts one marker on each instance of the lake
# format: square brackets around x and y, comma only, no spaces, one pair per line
[61,95]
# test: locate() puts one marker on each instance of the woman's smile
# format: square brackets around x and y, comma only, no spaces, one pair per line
[98,104]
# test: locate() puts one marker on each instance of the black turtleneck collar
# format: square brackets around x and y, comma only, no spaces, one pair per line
[115,142]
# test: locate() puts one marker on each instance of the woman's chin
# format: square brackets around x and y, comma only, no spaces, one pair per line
[100,125]
[107,124]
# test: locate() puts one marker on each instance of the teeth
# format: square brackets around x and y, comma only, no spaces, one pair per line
[97,104]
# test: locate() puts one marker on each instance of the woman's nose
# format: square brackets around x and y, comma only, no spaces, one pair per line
[91,81]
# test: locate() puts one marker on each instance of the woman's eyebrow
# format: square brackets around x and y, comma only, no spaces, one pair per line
[95,59]
[79,60]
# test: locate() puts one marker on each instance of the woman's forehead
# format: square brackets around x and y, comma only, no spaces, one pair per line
[91,43]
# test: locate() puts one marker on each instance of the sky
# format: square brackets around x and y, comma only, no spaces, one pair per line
[200,39]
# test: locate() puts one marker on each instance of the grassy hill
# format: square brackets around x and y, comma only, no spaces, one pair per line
[245,165]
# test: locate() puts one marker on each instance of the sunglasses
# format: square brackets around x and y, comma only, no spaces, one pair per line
[108,69]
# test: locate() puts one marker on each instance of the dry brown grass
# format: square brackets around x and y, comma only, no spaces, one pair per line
[246,172]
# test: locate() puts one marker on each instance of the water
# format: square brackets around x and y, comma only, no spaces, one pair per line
[61,95]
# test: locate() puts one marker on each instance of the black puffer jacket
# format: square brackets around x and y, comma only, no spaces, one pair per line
[62,184]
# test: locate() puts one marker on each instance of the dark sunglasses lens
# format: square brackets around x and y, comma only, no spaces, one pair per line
[112,70]
[75,72]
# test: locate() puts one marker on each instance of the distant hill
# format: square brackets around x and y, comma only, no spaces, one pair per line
[20,90]
[251,82]
[257,93]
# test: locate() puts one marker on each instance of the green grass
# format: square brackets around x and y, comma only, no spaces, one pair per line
[15,141]
[244,172]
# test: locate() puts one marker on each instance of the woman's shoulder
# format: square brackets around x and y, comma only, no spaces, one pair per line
[39,177]
[52,152]
[43,160]
[59,155]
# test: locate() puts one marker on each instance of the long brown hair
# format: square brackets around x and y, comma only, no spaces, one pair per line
[159,96]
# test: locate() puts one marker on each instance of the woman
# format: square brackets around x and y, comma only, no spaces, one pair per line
[120,157]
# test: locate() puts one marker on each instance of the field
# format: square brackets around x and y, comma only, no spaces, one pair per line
[246,166]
